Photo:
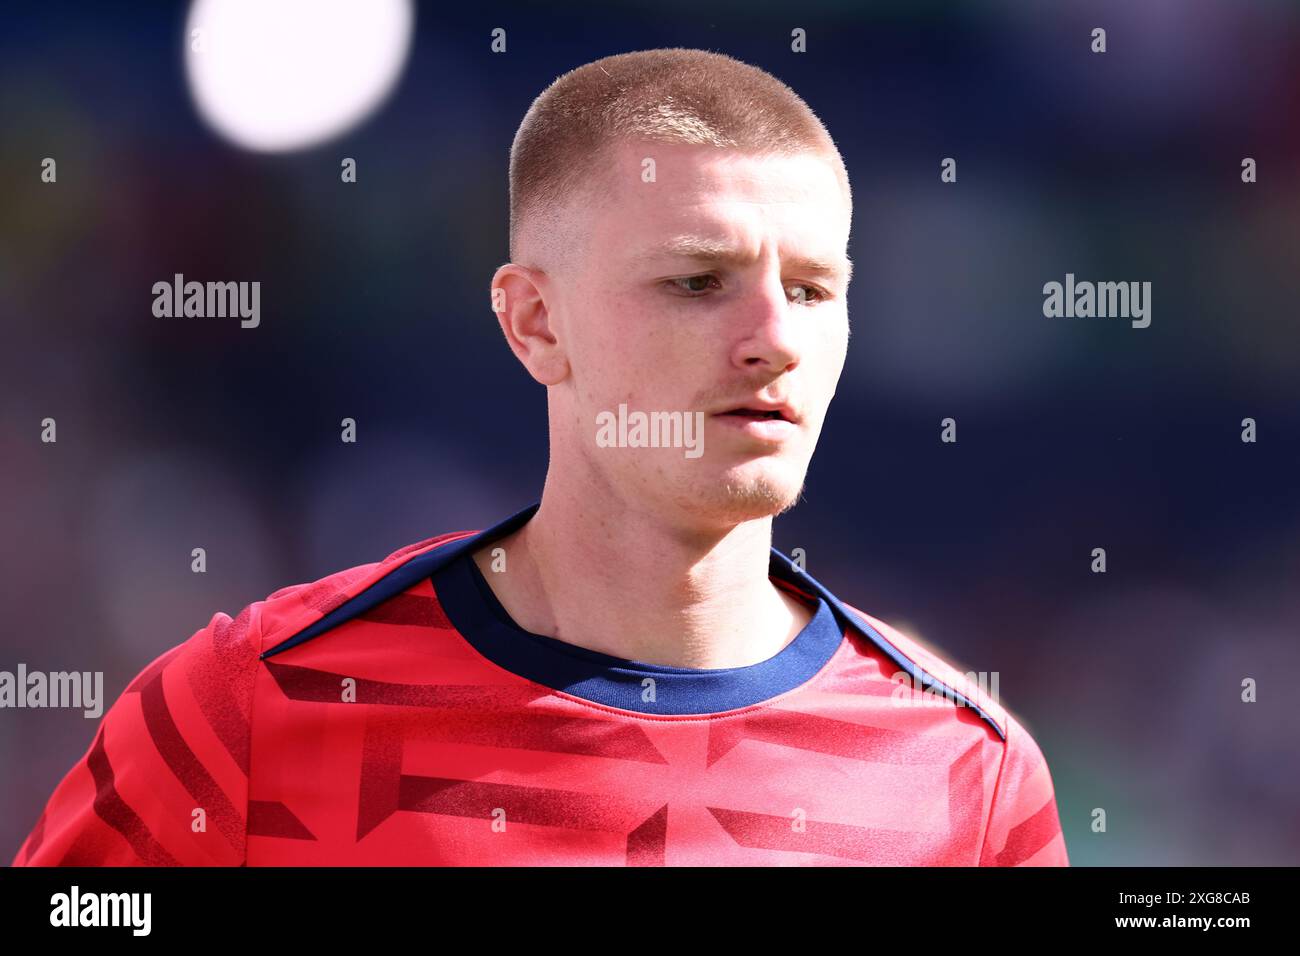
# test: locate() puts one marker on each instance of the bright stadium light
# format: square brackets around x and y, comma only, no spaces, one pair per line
[277,75]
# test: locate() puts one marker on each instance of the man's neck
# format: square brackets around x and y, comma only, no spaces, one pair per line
[625,585]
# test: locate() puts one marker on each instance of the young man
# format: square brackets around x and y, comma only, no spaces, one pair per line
[625,673]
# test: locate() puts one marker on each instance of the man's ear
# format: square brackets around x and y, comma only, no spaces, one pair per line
[520,301]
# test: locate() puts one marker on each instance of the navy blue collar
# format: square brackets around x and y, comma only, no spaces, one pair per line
[478,616]
[409,573]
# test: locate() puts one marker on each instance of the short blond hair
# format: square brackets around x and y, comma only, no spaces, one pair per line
[673,95]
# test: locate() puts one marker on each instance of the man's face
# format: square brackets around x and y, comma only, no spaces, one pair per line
[720,285]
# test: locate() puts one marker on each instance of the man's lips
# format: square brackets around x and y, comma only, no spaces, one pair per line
[760,409]
[763,425]
[758,415]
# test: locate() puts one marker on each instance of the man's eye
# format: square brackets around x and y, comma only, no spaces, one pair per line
[691,286]
[813,294]
[692,290]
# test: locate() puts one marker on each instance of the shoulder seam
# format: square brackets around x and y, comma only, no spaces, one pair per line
[997,784]
[873,633]
[288,634]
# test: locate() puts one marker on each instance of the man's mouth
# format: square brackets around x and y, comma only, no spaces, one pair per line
[757,414]
[769,426]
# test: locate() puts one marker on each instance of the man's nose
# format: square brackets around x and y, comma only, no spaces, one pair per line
[769,327]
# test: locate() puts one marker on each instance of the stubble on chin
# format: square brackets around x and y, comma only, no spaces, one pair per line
[733,501]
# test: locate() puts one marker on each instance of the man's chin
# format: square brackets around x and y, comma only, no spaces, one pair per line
[734,500]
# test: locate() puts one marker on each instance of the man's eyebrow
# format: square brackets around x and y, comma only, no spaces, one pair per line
[706,250]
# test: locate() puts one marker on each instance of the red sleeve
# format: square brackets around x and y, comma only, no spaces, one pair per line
[165,779]
[1023,828]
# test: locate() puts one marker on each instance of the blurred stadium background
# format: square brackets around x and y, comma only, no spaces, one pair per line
[1074,433]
